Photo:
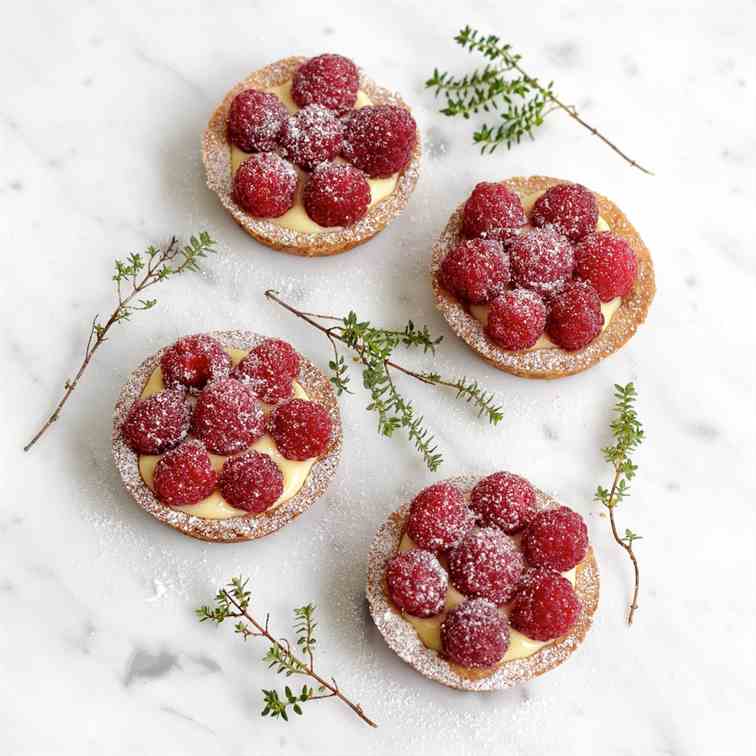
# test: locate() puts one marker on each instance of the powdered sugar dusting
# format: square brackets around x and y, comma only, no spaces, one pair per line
[403,639]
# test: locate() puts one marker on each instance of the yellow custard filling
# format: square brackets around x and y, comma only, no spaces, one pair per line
[215,507]
[480,312]
[428,629]
[296,217]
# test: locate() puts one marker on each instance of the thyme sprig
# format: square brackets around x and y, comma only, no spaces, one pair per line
[503,86]
[373,348]
[132,277]
[628,435]
[233,602]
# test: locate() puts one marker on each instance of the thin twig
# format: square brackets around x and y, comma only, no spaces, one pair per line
[309,671]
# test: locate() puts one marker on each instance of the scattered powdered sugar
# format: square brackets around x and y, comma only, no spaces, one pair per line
[551,362]
[403,639]
[317,387]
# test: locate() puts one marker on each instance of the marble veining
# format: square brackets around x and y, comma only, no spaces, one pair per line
[101,117]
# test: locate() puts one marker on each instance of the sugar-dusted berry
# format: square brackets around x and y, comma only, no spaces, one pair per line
[545,605]
[542,260]
[475,270]
[439,518]
[516,319]
[228,417]
[336,194]
[264,185]
[475,635]
[184,475]
[254,120]
[279,353]
[301,429]
[379,139]
[269,381]
[328,80]
[193,361]
[487,564]
[575,317]
[504,500]
[251,481]
[493,211]
[608,263]
[417,582]
[556,538]
[570,208]
[157,423]
[311,136]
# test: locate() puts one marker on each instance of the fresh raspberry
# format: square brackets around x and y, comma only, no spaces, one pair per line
[336,194]
[542,260]
[228,417]
[575,317]
[255,120]
[556,538]
[493,211]
[279,353]
[571,208]
[301,429]
[475,635]
[311,136]
[264,185]
[475,270]
[417,582]
[516,319]
[270,382]
[545,605]
[379,139]
[157,423]
[504,500]
[193,361]
[328,80]
[439,517]
[608,263]
[486,564]
[252,481]
[184,475]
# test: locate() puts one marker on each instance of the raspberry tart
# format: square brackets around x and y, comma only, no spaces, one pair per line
[500,587]
[226,436]
[310,156]
[541,277]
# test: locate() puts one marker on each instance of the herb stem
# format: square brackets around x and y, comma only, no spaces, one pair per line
[262,630]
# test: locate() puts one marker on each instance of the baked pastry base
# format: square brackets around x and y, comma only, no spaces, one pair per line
[403,639]
[216,156]
[553,362]
[232,529]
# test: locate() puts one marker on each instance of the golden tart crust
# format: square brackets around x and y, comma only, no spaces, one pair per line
[232,529]
[403,639]
[552,362]
[217,159]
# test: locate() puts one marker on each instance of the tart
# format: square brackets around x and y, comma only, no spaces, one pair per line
[540,277]
[226,436]
[311,157]
[483,583]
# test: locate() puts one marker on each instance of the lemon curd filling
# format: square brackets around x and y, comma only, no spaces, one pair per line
[480,312]
[296,217]
[428,629]
[215,507]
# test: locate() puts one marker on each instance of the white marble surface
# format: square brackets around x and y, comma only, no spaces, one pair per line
[102,110]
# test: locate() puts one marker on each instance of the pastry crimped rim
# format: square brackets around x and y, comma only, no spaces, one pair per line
[216,156]
[552,362]
[404,640]
[232,529]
